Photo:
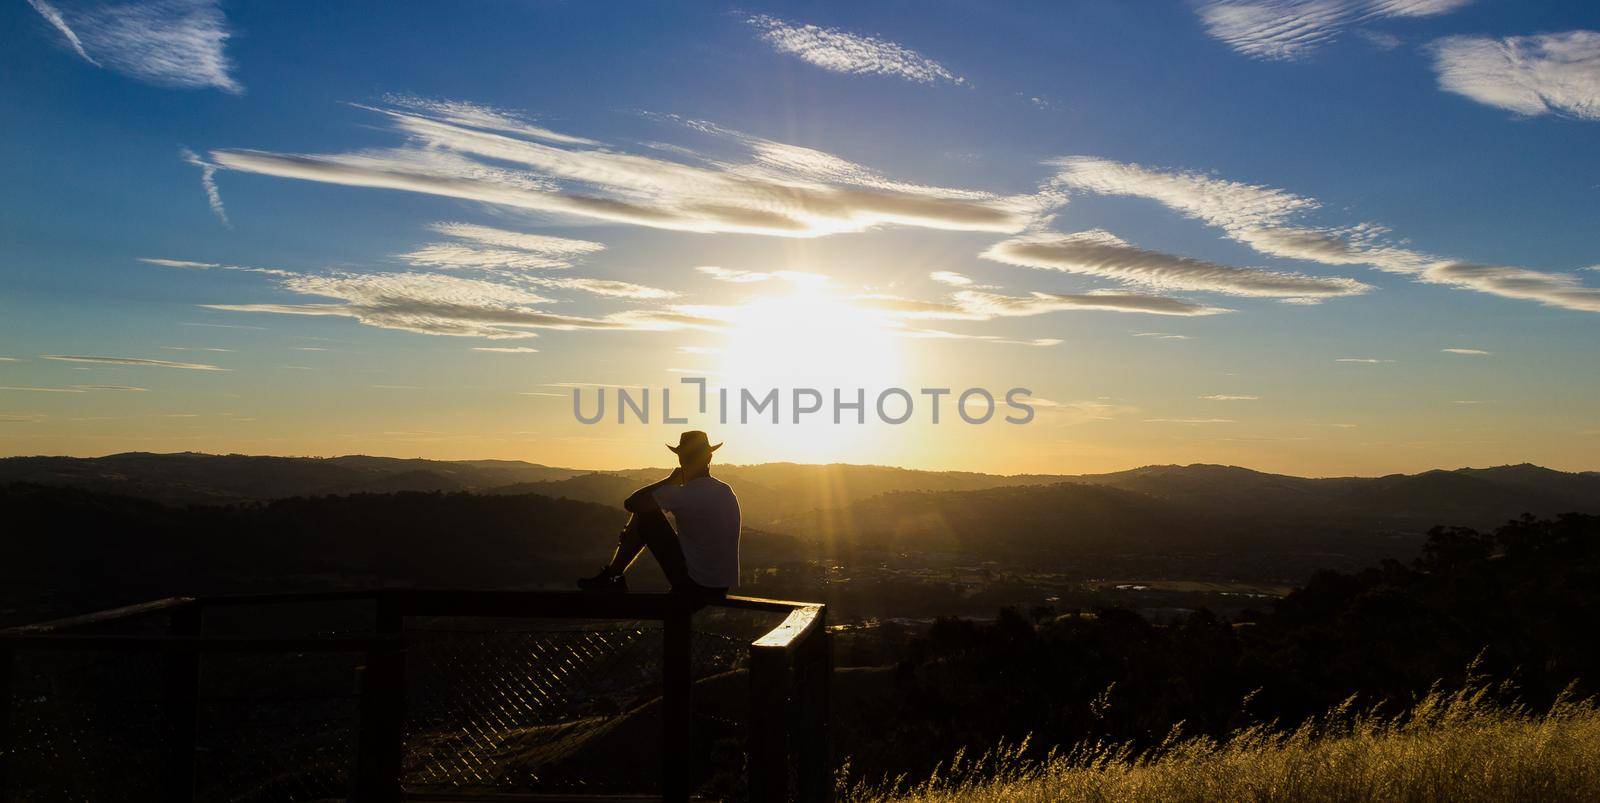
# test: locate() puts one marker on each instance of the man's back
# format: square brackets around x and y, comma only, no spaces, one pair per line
[706,514]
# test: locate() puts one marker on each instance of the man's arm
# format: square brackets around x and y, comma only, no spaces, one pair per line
[644,499]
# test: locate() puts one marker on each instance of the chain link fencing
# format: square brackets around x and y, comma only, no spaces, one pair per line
[493,706]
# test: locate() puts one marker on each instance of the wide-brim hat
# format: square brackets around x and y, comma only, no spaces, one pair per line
[693,442]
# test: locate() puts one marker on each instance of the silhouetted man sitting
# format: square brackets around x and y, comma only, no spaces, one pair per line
[700,557]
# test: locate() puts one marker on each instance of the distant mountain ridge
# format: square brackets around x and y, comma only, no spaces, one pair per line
[197,478]
[775,493]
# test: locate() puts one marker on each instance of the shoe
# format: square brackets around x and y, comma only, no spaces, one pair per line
[604,581]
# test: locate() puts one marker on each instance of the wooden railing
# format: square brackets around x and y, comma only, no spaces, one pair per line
[790,668]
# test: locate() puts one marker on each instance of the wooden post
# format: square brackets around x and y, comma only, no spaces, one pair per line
[768,740]
[181,707]
[814,676]
[380,740]
[677,704]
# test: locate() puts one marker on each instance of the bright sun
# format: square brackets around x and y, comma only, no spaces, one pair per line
[808,338]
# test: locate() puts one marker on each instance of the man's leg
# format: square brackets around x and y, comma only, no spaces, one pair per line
[656,532]
[629,544]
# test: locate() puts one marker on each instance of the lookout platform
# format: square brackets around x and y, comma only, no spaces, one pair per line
[421,694]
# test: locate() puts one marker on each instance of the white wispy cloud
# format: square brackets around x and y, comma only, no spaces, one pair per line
[444,304]
[125,388]
[185,264]
[1267,220]
[487,248]
[758,197]
[1230,397]
[52,16]
[1362,360]
[179,263]
[978,305]
[475,115]
[1468,352]
[208,182]
[553,247]
[9,359]
[458,256]
[1161,335]
[950,277]
[1557,73]
[1099,253]
[601,287]
[498,251]
[845,52]
[1286,30]
[732,275]
[941,334]
[176,43]
[138,362]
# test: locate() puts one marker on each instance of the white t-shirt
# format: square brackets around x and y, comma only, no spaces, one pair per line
[707,517]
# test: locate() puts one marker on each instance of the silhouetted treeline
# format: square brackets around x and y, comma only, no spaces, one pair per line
[70,550]
[1522,600]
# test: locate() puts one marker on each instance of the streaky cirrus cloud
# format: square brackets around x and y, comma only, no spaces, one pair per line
[553,247]
[506,349]
[1230,397]
[1468,352]
[1266,219]
[443,304]
[175,43]
[941,334]
[1100,253]
[52,16]
[180,263]
[474,115]
[453,160]
[498,251]
[1557,73]
[490,249]
[1362,360]
[137,362]
[732,275]
[950,277]
[601,287]
[845,52]
[208,182]
[981,305]
[1286,30]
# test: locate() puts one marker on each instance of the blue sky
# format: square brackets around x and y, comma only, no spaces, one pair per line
[1329,195]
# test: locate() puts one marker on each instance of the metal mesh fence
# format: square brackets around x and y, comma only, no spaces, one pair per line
[550,705]
[276,727]
[85,727]
[501,705]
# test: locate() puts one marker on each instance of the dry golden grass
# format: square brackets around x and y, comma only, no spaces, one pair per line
[1458,746]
